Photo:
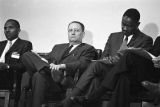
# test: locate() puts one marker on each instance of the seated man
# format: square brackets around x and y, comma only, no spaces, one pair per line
[130,37]
[125,78]
[154,88]
[62,60]
[10,53]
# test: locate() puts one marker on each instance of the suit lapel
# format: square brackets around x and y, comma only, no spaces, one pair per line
[76,49]
[133,40]
[15,45]
[73,51]
[3,45]
[63,52]
[120,40]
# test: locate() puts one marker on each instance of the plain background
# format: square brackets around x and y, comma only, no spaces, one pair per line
[45,22]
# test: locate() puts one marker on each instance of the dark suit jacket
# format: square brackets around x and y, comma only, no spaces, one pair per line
[19,47]
[156,47]
[77,59]
[115,40]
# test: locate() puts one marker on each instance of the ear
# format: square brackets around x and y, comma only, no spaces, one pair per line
[19,30]
[83,34]
[138,23]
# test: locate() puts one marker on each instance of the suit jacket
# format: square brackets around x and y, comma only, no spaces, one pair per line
[156,47]
[77,59]
[115,40]
[18,48]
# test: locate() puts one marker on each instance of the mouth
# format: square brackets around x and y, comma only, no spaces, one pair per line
[125,32]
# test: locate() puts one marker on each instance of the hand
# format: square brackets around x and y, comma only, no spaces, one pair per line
[107,60]
[111,59]
[57,67]
[123,47]
[134,48]
[156,62]
[115,59]
[3,66]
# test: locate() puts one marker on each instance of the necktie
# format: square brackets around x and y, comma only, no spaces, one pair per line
[66,52]
[126,39]
[124,44]
[8,46]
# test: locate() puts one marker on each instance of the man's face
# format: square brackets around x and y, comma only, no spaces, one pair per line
[75,33]
[129,26]
[11,30]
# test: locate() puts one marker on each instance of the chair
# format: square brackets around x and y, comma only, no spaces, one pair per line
[57,96]
[5,94]
[12,93]
[136,100]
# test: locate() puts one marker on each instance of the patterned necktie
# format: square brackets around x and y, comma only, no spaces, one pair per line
[126,39]
[124,44]
[67,51]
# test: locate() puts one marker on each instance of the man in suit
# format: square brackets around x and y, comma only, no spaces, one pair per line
[127,78]
[130,37]
[10,53]
[154,86]
[60,64]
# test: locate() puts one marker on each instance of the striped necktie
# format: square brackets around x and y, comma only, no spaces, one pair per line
[124,44]
[66,52]
[8,46]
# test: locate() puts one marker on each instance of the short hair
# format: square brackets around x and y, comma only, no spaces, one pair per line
[133,14]
[81,24]
[15,21]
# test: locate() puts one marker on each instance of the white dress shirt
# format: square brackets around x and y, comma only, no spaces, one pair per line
[8,46]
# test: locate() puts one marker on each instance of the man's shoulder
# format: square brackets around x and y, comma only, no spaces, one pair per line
[61,45]
[116,33]
[24,41]
[86,45]
[4,41]
[144,36]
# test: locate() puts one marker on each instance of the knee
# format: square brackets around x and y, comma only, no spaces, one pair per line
[129,56]
[95,67]
[25,55]
[26,79]
[37,76]
[95,64]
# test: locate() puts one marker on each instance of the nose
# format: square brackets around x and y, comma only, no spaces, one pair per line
[125,28]
[73,32]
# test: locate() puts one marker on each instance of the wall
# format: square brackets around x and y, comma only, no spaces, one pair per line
[44,22]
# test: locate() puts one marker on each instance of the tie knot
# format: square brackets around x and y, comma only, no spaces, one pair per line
[126,38]
[70,46]
[10,42]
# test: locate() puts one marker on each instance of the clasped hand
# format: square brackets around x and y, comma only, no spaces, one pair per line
[156,62]
[111,59]
[57,67]
[3,66]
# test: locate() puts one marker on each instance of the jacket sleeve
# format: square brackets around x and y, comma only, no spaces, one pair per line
[50,56]
[18,65]
[156,47]
[147,44]
[106,51]
[83,61]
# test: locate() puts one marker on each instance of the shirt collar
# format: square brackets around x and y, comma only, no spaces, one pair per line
[13,41]
[129,38]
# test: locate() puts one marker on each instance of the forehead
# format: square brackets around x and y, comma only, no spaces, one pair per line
[127,20]
[74,25]
[10,23]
